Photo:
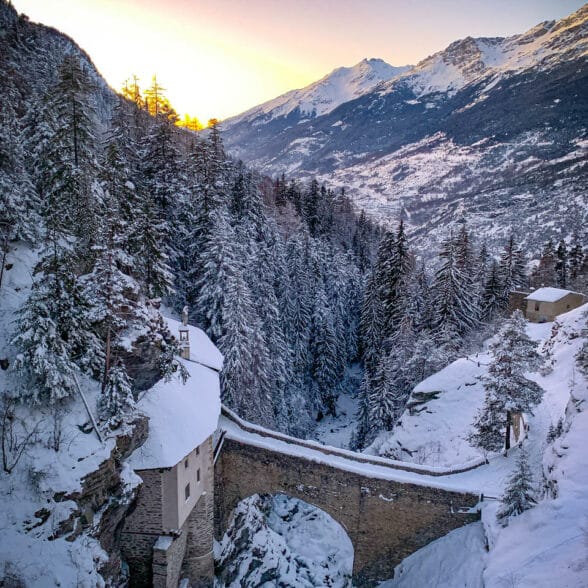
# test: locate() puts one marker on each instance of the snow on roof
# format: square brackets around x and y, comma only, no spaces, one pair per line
[181,416]
[548,294]
[202,349]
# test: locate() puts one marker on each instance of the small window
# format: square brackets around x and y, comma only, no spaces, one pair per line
[183,335]
[186,463]
[536,306]
[197,450]
[187,491]
[568,306]
[198,475]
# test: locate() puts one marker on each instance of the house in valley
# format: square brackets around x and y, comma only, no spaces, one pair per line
[168,536]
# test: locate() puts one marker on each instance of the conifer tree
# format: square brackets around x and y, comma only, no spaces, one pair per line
[575,258]
[511,269]
[561,265]
[492,301]
[372,316]
[220,262]
[455,305]
[69,179]
[323,349]
[244,380]
[19,205]
[53,336]
[545,273]
[518,495]
[386,400]
[362,434]
[393,267]
[507,389]
[116,401]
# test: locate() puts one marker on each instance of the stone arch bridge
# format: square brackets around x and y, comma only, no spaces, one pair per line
[389,509]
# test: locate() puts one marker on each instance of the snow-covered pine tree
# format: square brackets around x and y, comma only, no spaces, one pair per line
[489,425]
[362,242]
[116,401]
[19,204]
[220,261]
[298,306]
[372,316]
[310,207]
[264,268]
[150,231]
[326,367]
[454,301]
[111,287]
[70,163]
[53,336]
[388,392]
[511,269]
[492,301]
[518,495]
[361,435]
[575,259]
[507,389]
[244,379]
[393,268]
[561,265]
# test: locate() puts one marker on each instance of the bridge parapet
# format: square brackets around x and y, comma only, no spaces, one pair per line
[232,418]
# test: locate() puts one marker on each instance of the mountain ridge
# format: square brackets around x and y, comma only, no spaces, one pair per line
[519,104]
[321,97]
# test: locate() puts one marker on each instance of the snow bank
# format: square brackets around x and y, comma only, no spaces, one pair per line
[456,560]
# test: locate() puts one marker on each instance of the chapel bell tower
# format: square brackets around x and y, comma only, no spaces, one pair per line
[184,335]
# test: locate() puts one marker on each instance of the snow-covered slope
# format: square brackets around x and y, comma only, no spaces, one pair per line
[545,546]
[454,561]
[321,97]
[36,495]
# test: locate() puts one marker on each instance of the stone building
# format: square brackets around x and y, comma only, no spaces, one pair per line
[545,304]
[168,534]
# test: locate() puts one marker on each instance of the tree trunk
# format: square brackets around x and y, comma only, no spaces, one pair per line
[4,252]
[507,435]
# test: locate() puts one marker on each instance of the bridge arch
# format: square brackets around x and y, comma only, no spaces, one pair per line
[386,520]
[303,542]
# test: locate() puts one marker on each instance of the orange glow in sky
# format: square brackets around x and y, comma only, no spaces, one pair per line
[217,58]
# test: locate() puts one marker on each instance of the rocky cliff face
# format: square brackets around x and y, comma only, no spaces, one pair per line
[492,130]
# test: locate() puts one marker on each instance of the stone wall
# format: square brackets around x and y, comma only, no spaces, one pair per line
[386,521]
[167,560]
[199,560]
[142,527]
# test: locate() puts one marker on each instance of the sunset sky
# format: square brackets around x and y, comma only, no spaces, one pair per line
[220,57]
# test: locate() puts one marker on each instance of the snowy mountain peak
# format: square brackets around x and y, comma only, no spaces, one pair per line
[470,59]
[321,97]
